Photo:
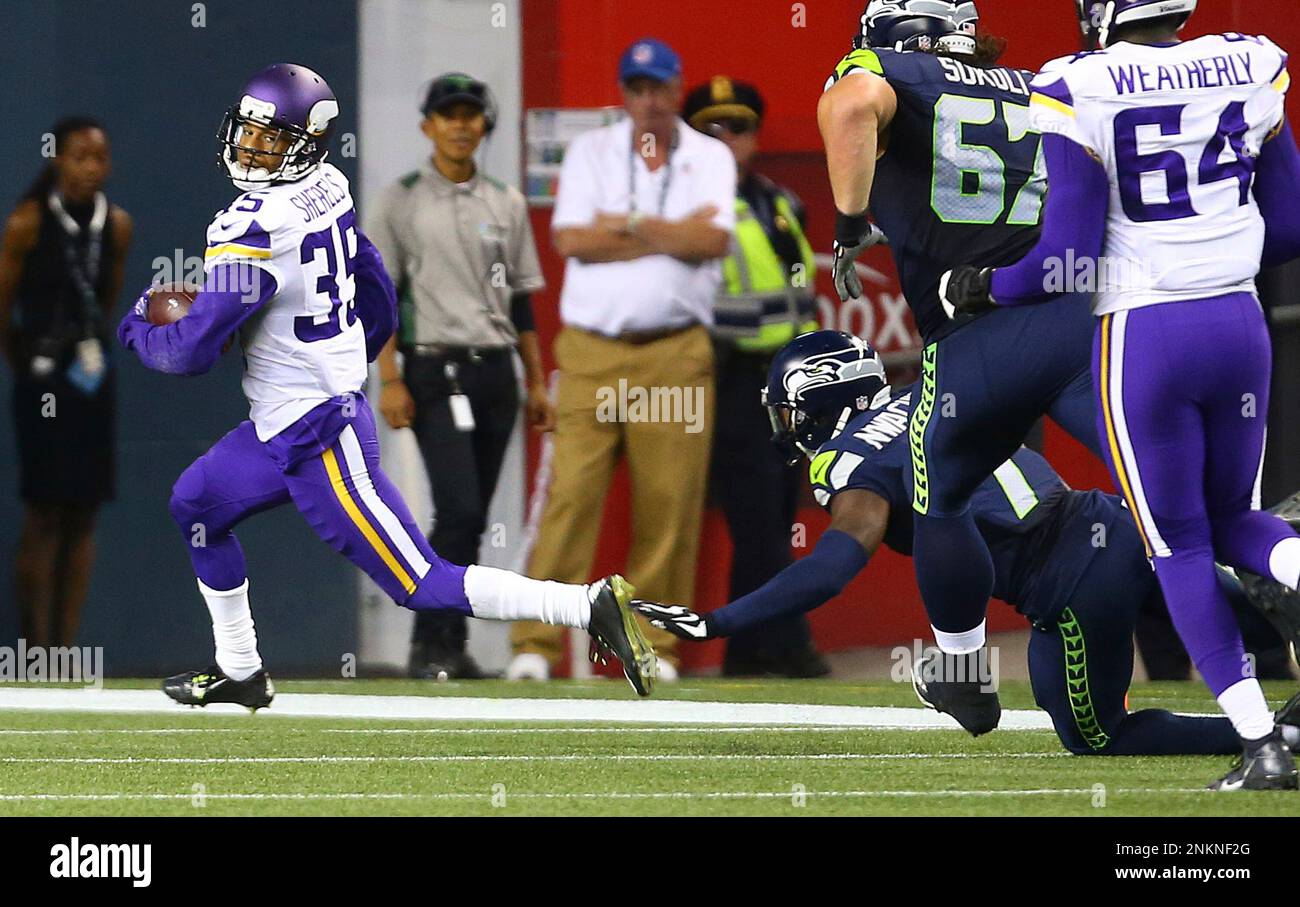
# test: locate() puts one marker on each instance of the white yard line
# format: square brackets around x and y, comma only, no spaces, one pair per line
[511,757]
[457,708]
[547,729]
[611,795]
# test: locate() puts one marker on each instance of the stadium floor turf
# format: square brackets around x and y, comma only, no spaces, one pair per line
[196,762]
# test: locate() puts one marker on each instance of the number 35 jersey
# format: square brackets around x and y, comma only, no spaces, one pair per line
[1178,128]
[962,178]
[306,345]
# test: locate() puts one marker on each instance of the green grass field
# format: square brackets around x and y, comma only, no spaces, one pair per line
[192,762]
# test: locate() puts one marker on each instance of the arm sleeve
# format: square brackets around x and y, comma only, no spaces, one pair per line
[1074,218]
[231,294]
[806,584]
[376,297]
[1277,183]
[521,312]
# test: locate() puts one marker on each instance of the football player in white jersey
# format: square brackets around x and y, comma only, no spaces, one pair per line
[288,269]
[1164,158]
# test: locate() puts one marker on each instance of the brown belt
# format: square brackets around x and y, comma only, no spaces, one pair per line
[639,338]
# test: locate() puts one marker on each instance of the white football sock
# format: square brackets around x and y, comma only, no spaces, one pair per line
[1284,562]
[1291,734]
[960,643]
[1246,708]
[232,628]
[496,594]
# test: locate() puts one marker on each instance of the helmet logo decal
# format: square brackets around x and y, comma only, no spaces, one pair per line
[322,112]
[826,369]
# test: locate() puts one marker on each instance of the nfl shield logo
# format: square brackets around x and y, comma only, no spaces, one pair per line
[863,403]
[923,42]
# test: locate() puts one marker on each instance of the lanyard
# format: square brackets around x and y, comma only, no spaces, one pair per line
[83,268]
[631,176]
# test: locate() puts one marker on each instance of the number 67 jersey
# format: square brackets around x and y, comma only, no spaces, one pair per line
[306,344]
[1178,128]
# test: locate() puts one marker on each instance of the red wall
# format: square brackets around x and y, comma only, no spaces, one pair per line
[570,54]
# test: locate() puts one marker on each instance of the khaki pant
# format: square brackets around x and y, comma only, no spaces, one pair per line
[665,432]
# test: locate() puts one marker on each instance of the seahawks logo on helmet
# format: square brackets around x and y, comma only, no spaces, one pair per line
[817,382]
[829,368]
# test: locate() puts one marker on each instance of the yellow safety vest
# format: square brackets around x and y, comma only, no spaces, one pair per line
[758,307]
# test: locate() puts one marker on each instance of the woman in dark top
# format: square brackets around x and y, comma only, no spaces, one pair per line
[60,273]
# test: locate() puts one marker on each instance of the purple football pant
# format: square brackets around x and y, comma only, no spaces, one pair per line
[1183,403]
[327,464]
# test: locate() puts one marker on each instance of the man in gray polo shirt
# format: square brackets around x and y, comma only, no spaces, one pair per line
[459,246]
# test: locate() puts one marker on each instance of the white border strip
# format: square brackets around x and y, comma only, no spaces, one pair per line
[457,708]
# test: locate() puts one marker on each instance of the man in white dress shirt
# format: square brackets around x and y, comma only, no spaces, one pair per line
[644,215]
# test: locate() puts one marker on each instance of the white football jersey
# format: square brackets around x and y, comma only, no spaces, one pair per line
[1178,129]
[306,344]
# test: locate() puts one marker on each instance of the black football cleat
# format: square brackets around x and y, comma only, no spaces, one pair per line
[615,631]
[1279,603]
[203,687]
[1263,765]
[953,684]
[1289,714]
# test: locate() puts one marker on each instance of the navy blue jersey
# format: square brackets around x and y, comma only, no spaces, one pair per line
[1036,528]
[962,179]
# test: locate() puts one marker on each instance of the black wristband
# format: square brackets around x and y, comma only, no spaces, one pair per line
[849,228]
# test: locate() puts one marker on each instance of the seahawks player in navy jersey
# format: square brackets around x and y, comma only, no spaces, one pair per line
[921,122]
[1071,562]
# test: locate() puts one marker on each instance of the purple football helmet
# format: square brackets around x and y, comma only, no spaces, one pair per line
[1099,18]
[289,98]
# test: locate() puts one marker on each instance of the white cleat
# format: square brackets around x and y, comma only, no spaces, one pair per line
[529,666]
[667,671]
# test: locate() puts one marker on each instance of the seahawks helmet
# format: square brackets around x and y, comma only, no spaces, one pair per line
[1100,18]
[817,382]
[919,25]
[288,98]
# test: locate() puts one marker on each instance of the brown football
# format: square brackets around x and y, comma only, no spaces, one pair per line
[170,302]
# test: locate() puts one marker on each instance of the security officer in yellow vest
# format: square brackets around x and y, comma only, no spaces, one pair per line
[766,298]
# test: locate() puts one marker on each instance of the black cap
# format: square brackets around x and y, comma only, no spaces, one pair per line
[720,99]
[453,88]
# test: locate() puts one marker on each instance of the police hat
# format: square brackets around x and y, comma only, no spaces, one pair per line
[722,99]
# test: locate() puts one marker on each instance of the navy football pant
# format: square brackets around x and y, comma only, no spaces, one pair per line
[1081,664]
[982,389]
